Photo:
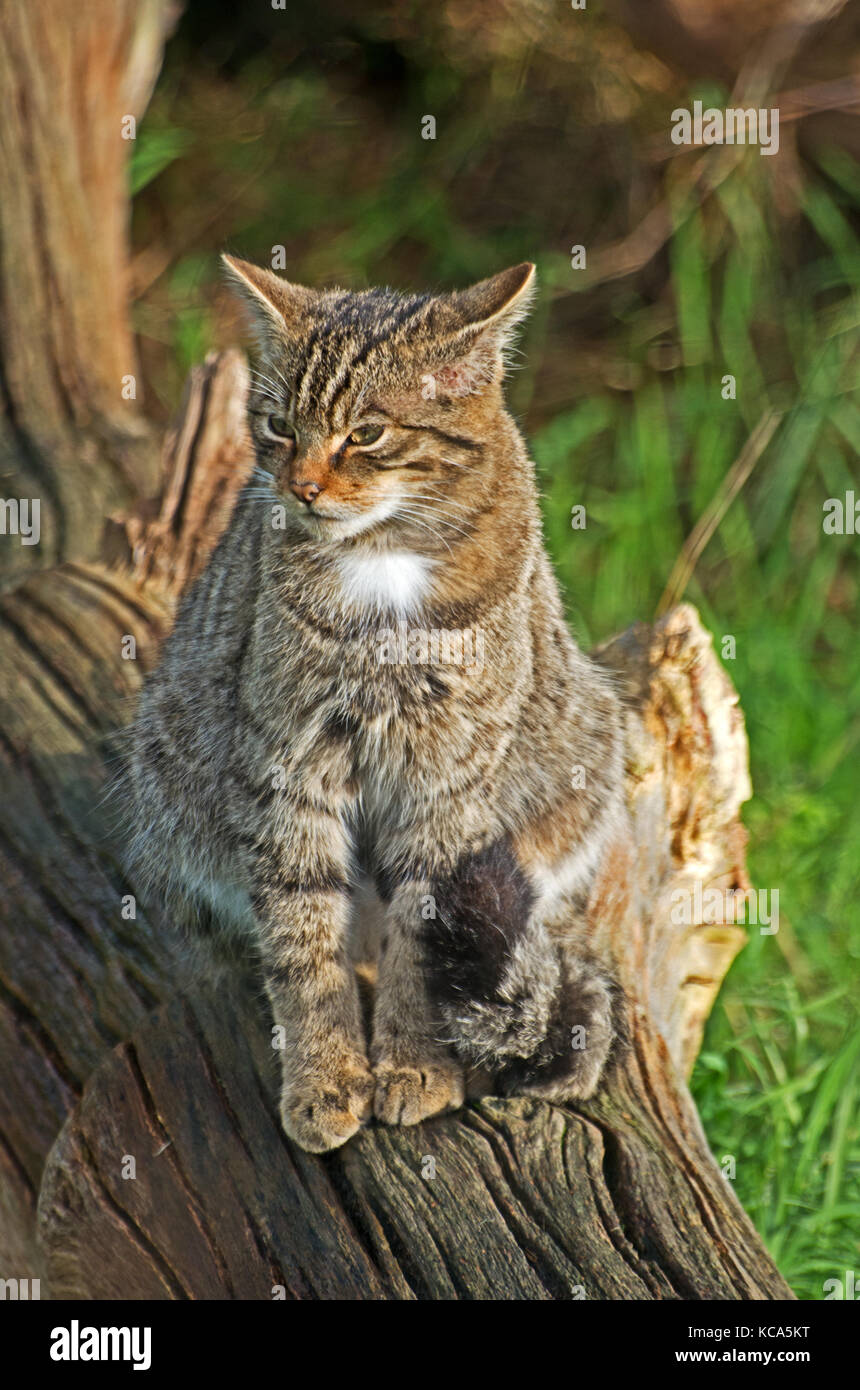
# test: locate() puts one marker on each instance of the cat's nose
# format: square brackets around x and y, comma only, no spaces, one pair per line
[306,491]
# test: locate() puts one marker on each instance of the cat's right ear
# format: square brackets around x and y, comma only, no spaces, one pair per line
[275,305]
[484,319]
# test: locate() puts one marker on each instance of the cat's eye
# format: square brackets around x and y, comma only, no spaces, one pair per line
[280,427]
[366,434]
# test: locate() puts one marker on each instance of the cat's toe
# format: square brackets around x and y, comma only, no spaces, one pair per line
[407,1094]
[321,1113]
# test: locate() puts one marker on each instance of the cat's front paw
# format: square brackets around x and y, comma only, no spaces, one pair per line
[326,1107]
[407,1094]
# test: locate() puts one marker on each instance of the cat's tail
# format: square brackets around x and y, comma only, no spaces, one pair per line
[511,998]
[547,1028]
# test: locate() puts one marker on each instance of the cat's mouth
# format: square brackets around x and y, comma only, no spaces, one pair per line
[333,523]
[316,518]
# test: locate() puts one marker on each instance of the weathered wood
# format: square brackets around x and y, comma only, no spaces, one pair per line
[508,1199]
[75,975]
[688,776]
[206,459]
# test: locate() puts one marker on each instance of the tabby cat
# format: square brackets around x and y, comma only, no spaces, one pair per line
[371,731]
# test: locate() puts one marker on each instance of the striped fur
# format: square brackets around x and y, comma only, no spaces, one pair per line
[316,798]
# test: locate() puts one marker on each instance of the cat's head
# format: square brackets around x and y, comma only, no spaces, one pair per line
[373,409]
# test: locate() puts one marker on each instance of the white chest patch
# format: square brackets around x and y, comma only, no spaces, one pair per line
[387,579]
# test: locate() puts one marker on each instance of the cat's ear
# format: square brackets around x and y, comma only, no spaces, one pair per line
[274,304]
[485,317]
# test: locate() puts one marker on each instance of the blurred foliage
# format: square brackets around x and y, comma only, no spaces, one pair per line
[303,130]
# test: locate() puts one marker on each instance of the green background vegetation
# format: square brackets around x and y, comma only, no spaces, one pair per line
[304,131]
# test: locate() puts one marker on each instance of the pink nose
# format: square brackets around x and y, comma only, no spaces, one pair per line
[308,492]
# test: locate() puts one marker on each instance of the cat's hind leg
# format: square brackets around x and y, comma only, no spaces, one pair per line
[417,1074]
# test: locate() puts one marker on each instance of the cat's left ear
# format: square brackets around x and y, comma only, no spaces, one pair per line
[485,317]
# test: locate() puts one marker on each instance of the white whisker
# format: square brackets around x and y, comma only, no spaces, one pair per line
[268,388]
[443,521]
[283,380]
[441,499]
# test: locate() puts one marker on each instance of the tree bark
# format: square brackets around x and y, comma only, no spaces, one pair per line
[75,974]
[71,436]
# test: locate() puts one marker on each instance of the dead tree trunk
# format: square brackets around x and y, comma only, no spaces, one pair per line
[71,77]
[103,1061]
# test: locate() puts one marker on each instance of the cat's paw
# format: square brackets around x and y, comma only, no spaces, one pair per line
[407,1094]
[325,1108]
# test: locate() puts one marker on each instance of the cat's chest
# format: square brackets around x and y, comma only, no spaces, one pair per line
[384,583]
[355,633]
[350,652]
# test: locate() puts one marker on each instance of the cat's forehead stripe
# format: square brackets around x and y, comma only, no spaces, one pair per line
[342,343]
[333,382]
[397,320]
